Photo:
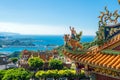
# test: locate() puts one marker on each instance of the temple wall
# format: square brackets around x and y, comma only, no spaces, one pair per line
[117,48]
[102,77]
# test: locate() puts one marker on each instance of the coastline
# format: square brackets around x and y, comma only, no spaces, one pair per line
[41,42]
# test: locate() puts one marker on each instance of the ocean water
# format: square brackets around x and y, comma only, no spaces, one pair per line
[42,42]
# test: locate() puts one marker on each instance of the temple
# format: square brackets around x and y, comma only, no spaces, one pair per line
[101,60]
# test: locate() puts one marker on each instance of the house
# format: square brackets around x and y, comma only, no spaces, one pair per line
[3,61]
[45,55]
[25,55]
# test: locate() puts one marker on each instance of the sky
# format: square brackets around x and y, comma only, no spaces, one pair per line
[52,17]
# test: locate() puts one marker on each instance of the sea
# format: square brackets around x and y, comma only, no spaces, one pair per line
[41,42]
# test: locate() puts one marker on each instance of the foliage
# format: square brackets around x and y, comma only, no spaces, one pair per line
[56,64]
[75,51]
[20,55]
[64,68]
[99,42]
[17,74]
[35,62]
[56,73]
[2,73]
[87,45]
[67,73]
[96,41]
[14,54]
[52,74]
[40,74]
[59,50]
[81,74]
[14,60]
[108,51]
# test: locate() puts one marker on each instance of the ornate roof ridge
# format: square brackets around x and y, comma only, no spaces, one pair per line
[114,25]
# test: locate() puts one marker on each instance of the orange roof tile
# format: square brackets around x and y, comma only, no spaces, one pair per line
[97,59]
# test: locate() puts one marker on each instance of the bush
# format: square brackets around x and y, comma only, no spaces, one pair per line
[47,74]
[56,74]
[17,74]
[35,62]
[40,74]
[2,73]
[52,74]
[56,64]
[70,73]
[14,60]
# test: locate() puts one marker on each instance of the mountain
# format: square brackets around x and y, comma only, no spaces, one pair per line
[8,34]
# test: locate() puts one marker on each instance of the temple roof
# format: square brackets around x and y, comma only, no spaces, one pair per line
[97,58]
[115,25]
[105,49]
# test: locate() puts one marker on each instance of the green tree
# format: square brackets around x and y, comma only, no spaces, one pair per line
[17,74]
[40,74]
[2,73]
[15,54]
[62,73]
[70,74]
[14,60]
[56,64]
[47,74]
[35,62]
[52,74]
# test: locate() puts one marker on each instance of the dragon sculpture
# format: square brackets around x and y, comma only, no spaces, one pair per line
[73,41]
[108,17]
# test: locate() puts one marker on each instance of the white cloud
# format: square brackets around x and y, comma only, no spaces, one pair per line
[38,29]
[32,29]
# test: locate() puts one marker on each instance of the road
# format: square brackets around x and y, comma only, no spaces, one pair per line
[2,67]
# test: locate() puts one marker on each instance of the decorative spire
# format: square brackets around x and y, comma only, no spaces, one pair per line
[108,18]
[119,2]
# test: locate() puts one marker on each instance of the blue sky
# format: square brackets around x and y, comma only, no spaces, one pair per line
[52,16]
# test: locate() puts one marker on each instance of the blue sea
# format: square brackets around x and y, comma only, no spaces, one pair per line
[42,42]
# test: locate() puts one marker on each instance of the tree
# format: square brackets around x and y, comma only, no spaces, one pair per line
[56,74]
[17,74]
[47,74]
[40,74]
[2,73]
[14,60]
[62,73]
[35,62]
[15,54]
[52,74]
[56,64]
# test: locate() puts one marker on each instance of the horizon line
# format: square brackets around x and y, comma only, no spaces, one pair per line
[40,34]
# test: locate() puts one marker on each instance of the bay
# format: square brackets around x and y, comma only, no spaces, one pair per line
[41,42]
